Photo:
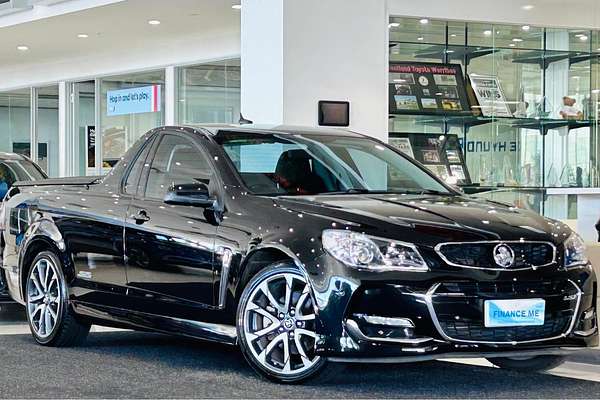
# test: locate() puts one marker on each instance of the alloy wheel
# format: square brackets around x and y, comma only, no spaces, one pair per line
[279,324]
[44,297]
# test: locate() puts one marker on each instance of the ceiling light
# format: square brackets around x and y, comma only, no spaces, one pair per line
[424,21]
[420,38]
[449,51]
[512,45]
[83,36]
[154,22]
[237,6]
[393,25]
[583,38]
[528,7]
[525,27]
[487,33]
[596,91]
[22,47]
[517,40]
[453,35]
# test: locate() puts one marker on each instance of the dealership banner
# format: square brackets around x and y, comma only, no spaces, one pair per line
[144,99]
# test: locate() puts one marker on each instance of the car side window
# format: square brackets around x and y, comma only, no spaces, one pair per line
[132,182]
[177,161]
[7,178]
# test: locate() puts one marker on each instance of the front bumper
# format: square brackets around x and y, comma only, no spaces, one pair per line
[4,295]
[441,315]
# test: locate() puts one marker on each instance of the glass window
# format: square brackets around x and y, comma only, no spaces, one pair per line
[312,164]
[15,121]
[209,93]
[132,184]
[47,129]
[84,128]
[130,105]
[177,161]
[17,170]
[7,178]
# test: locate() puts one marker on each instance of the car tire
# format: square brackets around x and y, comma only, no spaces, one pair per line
[276,323]
[51,319]
[530,364]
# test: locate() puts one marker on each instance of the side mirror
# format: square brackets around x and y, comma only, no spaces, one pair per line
[190,194]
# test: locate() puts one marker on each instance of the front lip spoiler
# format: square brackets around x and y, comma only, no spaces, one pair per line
[562,351]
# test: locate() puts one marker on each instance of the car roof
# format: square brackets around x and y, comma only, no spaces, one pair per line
[12,156]
[279,129]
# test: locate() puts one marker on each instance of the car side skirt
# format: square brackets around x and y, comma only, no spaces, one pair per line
[221,333]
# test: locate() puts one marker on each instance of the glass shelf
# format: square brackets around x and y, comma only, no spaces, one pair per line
[468,121]
[540,71]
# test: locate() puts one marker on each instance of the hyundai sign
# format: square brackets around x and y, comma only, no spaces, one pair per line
[137,100]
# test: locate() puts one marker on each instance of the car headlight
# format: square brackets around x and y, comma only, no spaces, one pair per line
[575,251]
[362,251]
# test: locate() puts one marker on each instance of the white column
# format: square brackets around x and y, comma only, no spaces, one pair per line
[170,95]
[33,123]
[297,52]
[65,153]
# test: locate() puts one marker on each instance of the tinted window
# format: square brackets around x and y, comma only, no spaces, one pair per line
[17,170]
[177,161]
[312,164]
[132,183]
[24,170]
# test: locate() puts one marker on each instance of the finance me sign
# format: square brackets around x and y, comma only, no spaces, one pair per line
[144,99]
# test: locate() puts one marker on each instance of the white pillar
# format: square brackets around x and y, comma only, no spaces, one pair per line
[297,52]
[64,150]
[170,95]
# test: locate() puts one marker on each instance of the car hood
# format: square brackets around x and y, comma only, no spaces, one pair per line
[434,218]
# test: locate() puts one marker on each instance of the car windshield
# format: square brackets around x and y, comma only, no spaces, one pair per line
[310,164]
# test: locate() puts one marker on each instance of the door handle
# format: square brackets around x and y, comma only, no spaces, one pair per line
[141,217]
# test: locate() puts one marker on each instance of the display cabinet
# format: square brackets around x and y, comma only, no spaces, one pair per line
[534,98]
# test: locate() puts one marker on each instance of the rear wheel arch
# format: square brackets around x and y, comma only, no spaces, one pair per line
[34,247]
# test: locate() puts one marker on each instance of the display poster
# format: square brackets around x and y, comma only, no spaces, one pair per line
[490,96]
[442,155]
[427,88]
[136,100]
[90,140]
[403,144]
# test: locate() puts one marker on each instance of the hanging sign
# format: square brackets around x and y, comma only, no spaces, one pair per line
[144,99]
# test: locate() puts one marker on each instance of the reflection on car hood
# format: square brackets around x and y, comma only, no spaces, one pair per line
[442,218]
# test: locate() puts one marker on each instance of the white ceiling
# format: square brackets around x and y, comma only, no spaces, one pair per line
[550,13]
[116,28]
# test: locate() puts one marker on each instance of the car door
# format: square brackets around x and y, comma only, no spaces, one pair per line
[170,248]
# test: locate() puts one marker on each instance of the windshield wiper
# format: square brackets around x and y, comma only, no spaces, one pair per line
[368,191]
[349,191]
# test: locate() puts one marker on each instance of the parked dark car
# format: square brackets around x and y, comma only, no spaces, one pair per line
[14,167]
[304,247]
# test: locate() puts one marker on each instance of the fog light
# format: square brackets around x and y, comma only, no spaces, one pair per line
[386,321]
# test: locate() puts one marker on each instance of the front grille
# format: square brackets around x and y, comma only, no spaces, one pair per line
[475,331]
[459,309]
[481,254]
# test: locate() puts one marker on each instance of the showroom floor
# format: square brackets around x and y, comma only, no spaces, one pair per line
[141,365]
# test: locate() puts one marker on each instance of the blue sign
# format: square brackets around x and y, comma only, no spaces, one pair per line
[523,312]
[144,99]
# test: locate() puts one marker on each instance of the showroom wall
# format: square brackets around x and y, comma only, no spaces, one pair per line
[332,59]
